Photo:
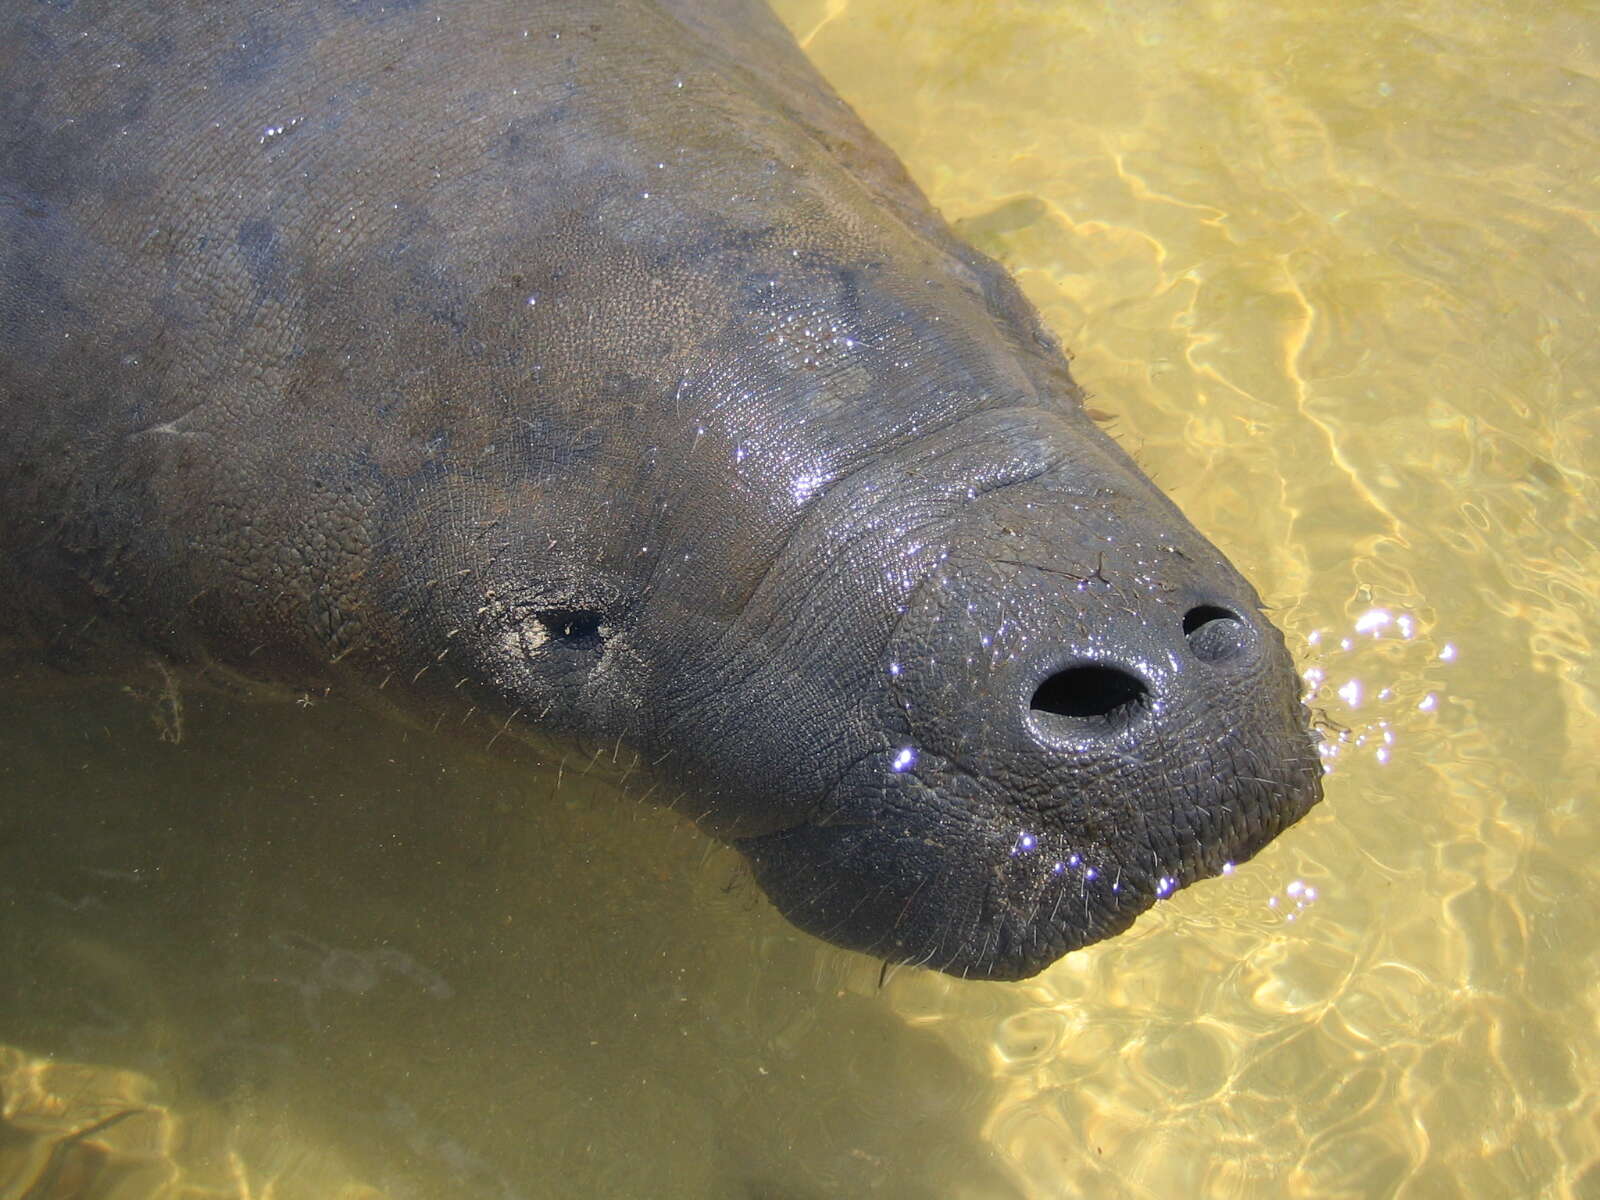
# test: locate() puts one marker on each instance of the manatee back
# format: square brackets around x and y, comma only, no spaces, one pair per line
[289,286]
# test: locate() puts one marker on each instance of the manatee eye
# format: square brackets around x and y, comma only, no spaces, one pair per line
[575,628]
[1215,634]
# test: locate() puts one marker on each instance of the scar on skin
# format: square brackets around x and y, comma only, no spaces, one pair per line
[524,639]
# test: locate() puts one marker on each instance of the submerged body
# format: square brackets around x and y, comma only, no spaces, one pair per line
[588,368]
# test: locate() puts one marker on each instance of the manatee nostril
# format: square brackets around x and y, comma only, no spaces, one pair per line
[1215,634]
[1091,692]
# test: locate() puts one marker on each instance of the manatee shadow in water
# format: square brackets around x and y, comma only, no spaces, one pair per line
[306,918]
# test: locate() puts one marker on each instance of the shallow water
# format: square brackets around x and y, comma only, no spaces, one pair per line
[1330,270]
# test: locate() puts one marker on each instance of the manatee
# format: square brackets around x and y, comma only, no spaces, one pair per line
[585,373]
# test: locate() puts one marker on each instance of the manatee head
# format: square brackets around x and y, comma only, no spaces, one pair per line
[1078,708]
[989,695]
[997,697]
[859,577]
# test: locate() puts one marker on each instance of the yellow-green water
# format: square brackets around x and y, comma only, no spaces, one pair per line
[1332,270]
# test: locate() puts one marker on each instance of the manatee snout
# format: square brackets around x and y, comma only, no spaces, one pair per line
[1081,709]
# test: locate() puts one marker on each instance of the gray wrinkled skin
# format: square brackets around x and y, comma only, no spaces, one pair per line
[587,367]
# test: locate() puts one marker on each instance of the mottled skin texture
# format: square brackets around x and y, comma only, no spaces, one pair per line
[587,367]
